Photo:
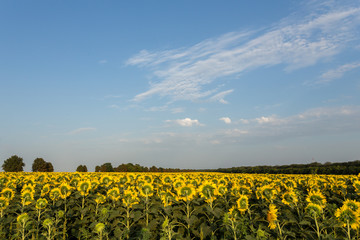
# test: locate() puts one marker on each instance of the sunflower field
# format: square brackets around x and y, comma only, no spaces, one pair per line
[178,206]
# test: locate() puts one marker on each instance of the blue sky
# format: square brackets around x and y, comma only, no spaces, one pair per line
[180,84]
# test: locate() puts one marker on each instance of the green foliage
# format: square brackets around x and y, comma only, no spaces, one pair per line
[13,164]
[81,168]
[40,165]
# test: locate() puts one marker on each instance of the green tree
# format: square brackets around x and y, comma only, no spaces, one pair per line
[106,167]
[13,164]
[81,168]
[40,165]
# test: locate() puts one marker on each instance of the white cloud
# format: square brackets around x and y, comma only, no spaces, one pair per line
[220,96]
[186,122]
[226,120]
[338,72]
[184,73]
[81,130]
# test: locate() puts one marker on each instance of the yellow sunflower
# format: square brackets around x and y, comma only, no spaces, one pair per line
[65,190]
[272,216]
[27,197]
[290,198]
[347,216]
[314,209]
[113,194]
[207,190]
[146,190]
[84,187]
[316,197]
[54,194]
[186,193]
[41,203]
[243,203]
[8,193]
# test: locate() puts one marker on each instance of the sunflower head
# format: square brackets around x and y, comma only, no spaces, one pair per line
[146,190]
[8,193]
[65,190]
[99,198]
[207,190]
[186,193]
[45,190]
[84,187]
[41,203]
[267,192]
[316,197]
[347,216]
[272,216]
[113,194]
[352,204]
[54,194]
[242,203]
[27,197]
[314,209]
[22,218]
[290,198]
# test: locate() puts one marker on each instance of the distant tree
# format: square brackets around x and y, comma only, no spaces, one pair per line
[40,165]
[106,167]
[13,164]
[97,169]
[81,168]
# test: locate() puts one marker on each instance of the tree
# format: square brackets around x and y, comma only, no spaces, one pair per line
[106,167]
[40,165]
[81,168]
[13,164]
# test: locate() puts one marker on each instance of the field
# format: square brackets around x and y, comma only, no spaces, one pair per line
[178,206]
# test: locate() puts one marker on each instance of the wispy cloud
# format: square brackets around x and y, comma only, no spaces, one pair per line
[338,72]
[81,130]
[186,73]
[186,122]
[103,61]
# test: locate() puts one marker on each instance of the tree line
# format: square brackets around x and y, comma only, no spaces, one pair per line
[16,164]
[346,168]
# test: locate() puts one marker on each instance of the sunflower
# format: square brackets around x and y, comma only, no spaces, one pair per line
[99,198]
[65,190]
[347,216]
[221,190]
[54,194]
[207,190]
[41,203]
[289,198]
[130,198]
[84,187]
[146,190]
[27,197]
[28,187]
[186,193]
[267,192]
[272,216]
[316,197]
[45,190]
[352,204]
[166,198]
[356,185]
[314,209]
[8,193]
[242,203]
[113,194]
[106,180]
